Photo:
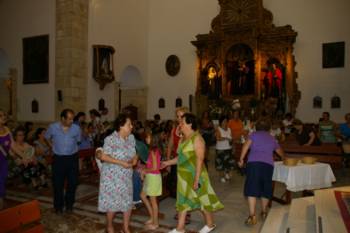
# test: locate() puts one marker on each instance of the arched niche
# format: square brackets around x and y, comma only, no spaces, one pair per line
[240,68]
[178,102]
[211,81]
[317,102]
[101,104]
[35,106]
[131,78]
[243,33]
[161,103]
[335,102]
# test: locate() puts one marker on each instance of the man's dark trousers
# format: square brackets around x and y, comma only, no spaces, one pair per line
[65,167]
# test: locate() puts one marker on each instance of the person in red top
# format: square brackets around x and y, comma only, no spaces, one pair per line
[236,126]
[174,139]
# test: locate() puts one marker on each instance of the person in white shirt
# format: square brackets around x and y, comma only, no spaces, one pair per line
[288,123]
[224,161]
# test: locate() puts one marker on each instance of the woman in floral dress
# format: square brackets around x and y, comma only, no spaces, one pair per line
[194,190]
[118,154]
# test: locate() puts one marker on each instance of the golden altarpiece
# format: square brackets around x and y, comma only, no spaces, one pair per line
[245,56]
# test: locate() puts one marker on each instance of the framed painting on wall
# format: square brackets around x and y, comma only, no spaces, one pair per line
[36,59]
[103,65]
[333,54]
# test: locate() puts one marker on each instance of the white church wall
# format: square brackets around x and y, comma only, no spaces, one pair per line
[317,22]
[18,20]
[145,33]
[172,25]
[123,25]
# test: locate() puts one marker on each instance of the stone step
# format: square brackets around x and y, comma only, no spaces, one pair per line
[328,215]
[276,220]
[301,217]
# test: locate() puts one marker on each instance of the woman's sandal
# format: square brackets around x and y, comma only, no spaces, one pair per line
[176,231]
[263,215]
[148,222]
[152,227]
[207,229]
[251,220]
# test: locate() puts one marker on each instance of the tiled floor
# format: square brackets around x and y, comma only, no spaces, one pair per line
[229,220]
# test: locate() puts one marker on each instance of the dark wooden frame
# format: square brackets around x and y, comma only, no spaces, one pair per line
[36,59]
[333,54]
[172,65]
[103,71]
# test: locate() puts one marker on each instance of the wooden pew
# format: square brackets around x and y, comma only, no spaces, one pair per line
[326,153]
[22,218]
[88,154]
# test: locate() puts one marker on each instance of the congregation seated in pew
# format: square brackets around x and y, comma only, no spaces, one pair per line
[305,135]
[26,165]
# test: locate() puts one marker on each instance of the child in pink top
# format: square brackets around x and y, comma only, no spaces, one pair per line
[152,186]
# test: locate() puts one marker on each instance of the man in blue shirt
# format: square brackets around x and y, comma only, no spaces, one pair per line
[65,138]
[345,129]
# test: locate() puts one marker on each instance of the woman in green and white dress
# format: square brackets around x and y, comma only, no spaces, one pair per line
[194,191]
[327,129]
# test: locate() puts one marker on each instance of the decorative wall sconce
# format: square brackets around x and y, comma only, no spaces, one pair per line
[101,104]
[317,102]
[161,103]
[335,102]
[178,102]
[35,106]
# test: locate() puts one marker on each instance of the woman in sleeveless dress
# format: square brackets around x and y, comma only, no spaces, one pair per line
[327,129]
[194,190]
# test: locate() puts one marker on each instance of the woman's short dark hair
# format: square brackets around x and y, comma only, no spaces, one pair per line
[263,125]
[79,114]
[221,119]
[94,112]
[120,121]
[297,122]
[327,113]
[38,132]
[17,130]
[191,119]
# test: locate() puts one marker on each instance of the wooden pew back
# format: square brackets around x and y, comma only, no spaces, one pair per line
[22,218]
